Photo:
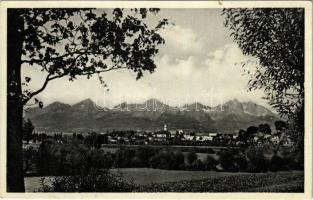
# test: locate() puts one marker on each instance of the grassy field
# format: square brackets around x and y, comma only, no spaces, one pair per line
[153,180]
[144,176]
[292,181]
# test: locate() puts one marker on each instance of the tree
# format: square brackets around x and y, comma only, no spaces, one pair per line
[227,160]
[251,130]
[191,157]
[242,135]
[29,158]
[280,125]
[70,43]
[28,129]
[265,128]
[276,38]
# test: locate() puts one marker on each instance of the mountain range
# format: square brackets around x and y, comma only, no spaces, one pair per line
[150,115]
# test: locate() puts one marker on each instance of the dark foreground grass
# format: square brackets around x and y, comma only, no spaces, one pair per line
[263,182]
[168,181]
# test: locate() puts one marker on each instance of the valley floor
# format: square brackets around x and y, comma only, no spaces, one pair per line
[156,180]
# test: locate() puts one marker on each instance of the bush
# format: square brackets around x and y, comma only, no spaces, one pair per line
[67,159]
[278,163]
[191,157]
[178,160]
[198,165]
[296,161]
[93,181]
[29,159]
[210,163]
[227,160]
[257,161]
[46,163]
[136,162]
[123,157]
[240,162]
[144,154]
[129,157]
[167,160]
[288,161]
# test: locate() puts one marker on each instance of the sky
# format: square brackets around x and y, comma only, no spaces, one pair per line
[198,63]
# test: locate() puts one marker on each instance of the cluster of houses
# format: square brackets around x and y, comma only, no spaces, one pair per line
[183,137]
[159,137]
[180,137]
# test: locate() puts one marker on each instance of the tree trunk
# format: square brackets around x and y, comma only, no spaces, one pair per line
[15,176]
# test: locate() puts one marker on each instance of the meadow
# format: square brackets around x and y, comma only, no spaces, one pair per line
[236,182]
[157,180]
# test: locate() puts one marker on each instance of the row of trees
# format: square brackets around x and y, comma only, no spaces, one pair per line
[72,159]
[264,129]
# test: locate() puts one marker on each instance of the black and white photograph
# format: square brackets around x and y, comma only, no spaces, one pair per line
[156,99]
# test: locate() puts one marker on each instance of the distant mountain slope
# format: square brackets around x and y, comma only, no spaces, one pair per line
[150,115]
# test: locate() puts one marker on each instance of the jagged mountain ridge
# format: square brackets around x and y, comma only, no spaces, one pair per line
[150,115]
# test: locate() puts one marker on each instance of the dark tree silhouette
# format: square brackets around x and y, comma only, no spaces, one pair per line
[251,130]
[70,43]
[265,128]
[242,136]
[280,125]
[276,38]
[28,129]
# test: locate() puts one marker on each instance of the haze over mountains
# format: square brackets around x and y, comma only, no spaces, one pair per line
[150,115]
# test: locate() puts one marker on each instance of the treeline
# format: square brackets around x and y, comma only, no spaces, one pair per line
[54,158]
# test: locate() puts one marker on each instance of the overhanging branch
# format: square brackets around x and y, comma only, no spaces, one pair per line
[50,78]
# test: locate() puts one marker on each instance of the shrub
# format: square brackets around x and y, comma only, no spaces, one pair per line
[198,165]
[296,161]
[136,162]
[278,163]
[29,159]
[160,160]
[144,154]
[210,163]
[45,159]
[240,162]
[178,160]
[93,181]
[154,161]
[123,157]
[167,160]
[67,159]
[258,163]
[227,160]
[191,157]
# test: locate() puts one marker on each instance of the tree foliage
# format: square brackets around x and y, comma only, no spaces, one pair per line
[276,38]
[28,129]
[251,130]
[265,128]
[280,125]
[83,42]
